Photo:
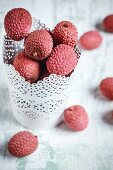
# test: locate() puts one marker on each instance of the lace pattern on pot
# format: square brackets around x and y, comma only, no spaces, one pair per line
[39,104]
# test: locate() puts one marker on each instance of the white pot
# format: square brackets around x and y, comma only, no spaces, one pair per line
[38,105]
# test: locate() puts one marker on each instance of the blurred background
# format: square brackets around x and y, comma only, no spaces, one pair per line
[89,150]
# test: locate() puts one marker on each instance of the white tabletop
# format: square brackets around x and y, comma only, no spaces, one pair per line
[61,149]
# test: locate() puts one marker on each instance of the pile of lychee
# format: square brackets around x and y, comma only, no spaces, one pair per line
[45,52]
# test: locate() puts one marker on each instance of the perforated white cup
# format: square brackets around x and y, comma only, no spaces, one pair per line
[38,105]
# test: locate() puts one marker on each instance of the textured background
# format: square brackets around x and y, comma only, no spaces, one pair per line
[60,149]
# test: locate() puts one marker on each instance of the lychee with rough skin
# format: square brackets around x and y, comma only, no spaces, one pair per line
[28,68]
[90,40]
[22,144]
[65,33]
[62,60]
[76,118]
[108,23]
[38,44]
[106,87]
[17,23]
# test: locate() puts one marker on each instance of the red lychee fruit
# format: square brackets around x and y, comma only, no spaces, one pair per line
[17,23]
[65,33]
[22,144]
[90,40]
[108,23]
[106,87]
[76,118]
[38,44]
[62,60]
[28,68]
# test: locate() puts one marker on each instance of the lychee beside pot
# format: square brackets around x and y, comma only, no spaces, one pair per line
[38,105]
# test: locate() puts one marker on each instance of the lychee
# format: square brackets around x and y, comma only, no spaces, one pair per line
[65,33]
[22,144]
[17,23]
[62,60]
[38,44]
[108,23]
[90,40]
[76,118]
[28,68]
[106,87]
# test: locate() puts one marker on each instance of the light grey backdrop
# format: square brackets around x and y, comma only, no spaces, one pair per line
[61,149]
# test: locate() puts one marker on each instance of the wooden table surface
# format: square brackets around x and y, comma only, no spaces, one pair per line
[60,149]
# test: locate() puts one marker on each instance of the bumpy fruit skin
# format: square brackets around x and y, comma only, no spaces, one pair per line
[76,118]
[28,68]
[38,44]
[90,40]
[106,87]
[65,33]
[62,60]
[108,23]
[17,23]
[22,144]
